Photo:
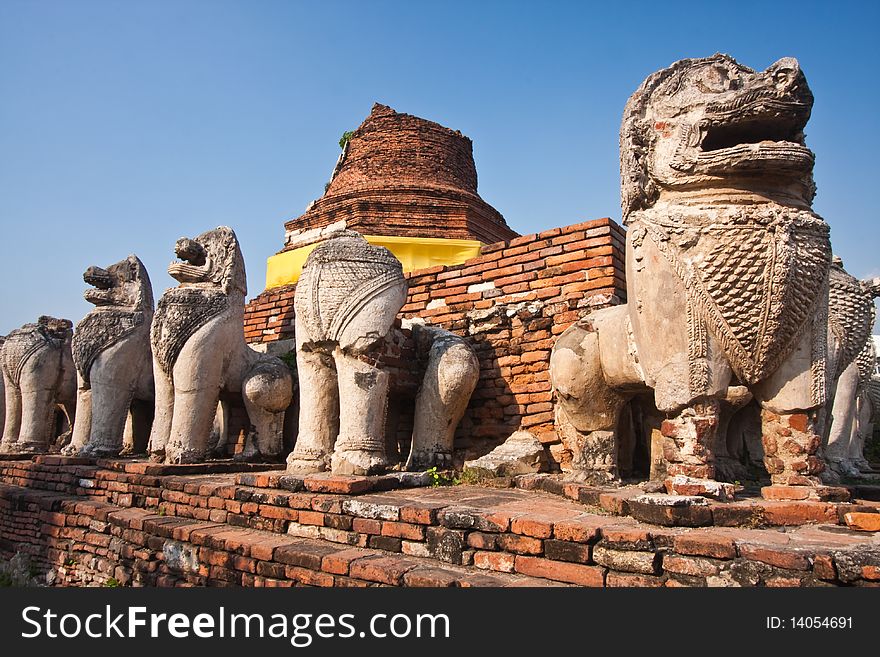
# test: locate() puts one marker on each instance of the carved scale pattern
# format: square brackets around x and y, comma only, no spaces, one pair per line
[20,345]
[338,278]
[757,290]
[180,313]
[865,361]
[97,331]
[850,315]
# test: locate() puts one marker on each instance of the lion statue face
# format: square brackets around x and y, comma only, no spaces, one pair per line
[124,285]
[712,123]
[211,260]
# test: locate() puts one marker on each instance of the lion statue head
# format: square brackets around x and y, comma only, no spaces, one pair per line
[124,285]
[710,123]
[123,299]
[211,260]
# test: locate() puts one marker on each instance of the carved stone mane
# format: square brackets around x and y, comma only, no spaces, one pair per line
[339,277]
[23,342]
[182,312]
[850,318]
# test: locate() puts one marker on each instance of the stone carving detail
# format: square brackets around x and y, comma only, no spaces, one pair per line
[346,300]
[199,352]
[727,273]
[111,350]
[39,378]
[851,317]
[180,315]
[451,375]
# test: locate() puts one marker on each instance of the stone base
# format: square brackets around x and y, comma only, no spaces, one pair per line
[671,510]
[683,485]
[358,462]
[326,482]
[16,456]
[750,509]
[160,469]
[819,493]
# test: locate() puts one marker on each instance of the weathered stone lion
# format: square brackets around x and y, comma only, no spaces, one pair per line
[346,300]
[40,380]
[111,350]
[199,353]
[727,274]
[851,360]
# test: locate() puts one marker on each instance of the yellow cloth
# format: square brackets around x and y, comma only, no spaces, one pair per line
[413,252]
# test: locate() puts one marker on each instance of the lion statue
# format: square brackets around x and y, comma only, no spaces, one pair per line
[199,353]
[726,273]
[111,350]
[346,300]
[851,361]
[40,382]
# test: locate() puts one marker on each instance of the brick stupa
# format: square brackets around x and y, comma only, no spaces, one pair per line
[404,183]
[404,176]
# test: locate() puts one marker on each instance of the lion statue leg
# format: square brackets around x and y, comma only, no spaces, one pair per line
[363,395]
[791,420]
[318,407]
[198,375]
[12,417]
[593,374]
[861,432]
[161,430]
[450,378]
[843,423]
[82,426]
[110,401]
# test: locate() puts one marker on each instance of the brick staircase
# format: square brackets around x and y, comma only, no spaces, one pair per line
[136,523]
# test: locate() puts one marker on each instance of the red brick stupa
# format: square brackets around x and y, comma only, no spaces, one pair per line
[404,183]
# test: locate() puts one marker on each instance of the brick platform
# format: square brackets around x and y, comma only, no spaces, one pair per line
[89,523]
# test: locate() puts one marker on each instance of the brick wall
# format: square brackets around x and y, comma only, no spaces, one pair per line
[511,303]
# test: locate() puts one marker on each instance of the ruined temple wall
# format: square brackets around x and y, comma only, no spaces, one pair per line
[511,303]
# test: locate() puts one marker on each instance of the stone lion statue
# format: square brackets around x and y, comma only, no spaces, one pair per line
[451,373]
[111,350]
[851,361]
[727,277]
[346,300]
[40,381]
[199,353]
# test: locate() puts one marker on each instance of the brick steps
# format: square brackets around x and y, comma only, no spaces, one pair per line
[462,530]
[140,547]
[746,511]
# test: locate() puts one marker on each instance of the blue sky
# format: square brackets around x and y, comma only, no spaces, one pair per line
[125,125]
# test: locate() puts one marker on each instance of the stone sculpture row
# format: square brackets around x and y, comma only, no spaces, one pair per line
[144,380]
[153,378]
